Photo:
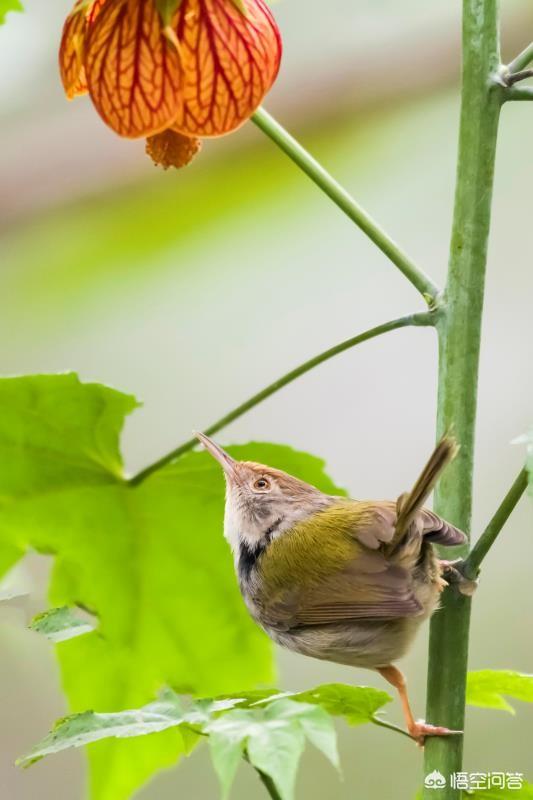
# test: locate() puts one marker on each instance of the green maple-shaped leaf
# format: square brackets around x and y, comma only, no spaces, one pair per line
[149,561]
[487,687]
[9,5]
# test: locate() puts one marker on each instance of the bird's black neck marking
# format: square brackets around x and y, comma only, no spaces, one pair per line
[248,554]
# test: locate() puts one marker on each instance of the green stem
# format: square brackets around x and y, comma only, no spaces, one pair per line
[470,568]
[269,785]
[425,319]
[459,340]
[383,723]
[346,203]
[522,60]
[266,780]
[519,93]
[516,77]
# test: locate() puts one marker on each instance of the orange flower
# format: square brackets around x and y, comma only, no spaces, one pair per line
[196,67]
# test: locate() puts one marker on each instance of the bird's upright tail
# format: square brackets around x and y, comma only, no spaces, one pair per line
[411,502]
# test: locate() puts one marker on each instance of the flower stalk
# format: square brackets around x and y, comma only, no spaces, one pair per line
[292,148]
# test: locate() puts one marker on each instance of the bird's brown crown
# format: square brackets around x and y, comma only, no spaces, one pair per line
[286,484]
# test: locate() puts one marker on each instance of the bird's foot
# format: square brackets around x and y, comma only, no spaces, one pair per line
[451,573]
[420,729]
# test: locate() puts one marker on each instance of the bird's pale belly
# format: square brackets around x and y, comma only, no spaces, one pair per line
[360,644]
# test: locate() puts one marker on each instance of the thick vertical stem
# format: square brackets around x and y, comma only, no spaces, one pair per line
[459,340]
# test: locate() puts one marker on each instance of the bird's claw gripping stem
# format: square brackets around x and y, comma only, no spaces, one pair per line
[452,574]
[420,729]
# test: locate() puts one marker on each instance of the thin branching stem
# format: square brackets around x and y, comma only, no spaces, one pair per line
[269,785]
[471,566]
[519,93]
[522,60]
[516,77]
[383,723]
[425,319]
[266,780]
[346,203]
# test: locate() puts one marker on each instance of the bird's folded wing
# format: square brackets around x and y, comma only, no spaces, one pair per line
[367,587]
[345,565]
[377,526]
[435,529]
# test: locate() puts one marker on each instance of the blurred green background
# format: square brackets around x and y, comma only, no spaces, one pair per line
[194,289]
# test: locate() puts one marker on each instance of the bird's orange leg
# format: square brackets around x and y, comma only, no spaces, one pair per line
[418,729]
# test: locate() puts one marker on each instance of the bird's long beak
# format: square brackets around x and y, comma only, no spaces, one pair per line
[227,463]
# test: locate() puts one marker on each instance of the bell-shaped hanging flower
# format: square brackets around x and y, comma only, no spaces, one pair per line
[175,69]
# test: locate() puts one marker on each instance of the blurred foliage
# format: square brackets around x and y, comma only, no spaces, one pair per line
[149,561]
[9,5]
[486,688]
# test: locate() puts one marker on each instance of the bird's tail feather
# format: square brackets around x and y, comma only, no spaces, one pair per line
[411,502]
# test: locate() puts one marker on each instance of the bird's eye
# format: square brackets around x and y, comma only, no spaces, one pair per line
[262,484]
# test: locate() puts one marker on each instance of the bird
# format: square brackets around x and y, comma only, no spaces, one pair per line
[342,580]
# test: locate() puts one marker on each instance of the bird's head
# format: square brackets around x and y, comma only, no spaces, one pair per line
[261,502]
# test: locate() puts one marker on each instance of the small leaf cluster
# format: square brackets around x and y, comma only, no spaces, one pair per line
[267,728]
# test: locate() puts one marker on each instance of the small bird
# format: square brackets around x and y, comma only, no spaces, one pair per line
[344,580]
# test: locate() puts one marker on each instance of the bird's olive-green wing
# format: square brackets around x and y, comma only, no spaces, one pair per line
[330,569]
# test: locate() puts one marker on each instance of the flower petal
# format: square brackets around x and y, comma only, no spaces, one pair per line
[71,53]
[93,9]
[133,70]
[230,61]
[72,48]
